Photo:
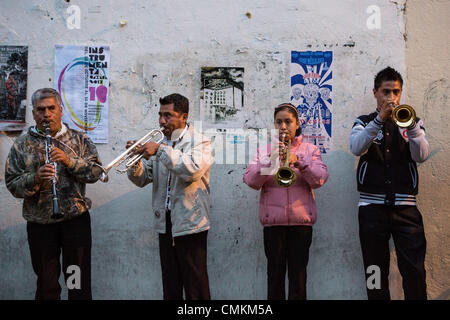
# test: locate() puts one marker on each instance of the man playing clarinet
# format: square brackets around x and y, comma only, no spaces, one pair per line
[55,205]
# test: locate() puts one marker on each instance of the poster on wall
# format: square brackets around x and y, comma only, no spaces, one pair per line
[82,80]
[13,87]
[222,97]
[311,94]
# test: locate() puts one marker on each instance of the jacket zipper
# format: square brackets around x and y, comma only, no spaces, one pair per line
[169,180]
[362,170]
[173,146]
[413,173]
[289,205]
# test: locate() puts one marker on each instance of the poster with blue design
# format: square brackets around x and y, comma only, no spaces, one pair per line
[311,94]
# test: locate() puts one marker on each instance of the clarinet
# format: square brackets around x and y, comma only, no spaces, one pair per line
[48,147]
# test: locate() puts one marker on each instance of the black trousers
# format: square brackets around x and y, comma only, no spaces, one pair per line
[73,238]
[287,245]
[376,225]
[184,265]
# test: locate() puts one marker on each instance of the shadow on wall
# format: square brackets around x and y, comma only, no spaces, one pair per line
[125,259]
[444,295]
[335,269]
[17,280]
[125,254]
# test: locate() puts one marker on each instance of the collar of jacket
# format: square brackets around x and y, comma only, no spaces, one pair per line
[180,136]
[188,134]
[32,131]
[297,141]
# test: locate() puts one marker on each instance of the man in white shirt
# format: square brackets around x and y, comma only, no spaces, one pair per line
[179,169]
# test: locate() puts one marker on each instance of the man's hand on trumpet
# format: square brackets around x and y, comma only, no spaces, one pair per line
[147,150]
[386,109]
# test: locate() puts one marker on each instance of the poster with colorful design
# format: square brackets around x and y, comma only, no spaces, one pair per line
[311,94]
[82,80]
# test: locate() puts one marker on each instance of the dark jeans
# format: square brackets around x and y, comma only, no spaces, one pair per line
[46,241]
[376,225]
[287,244]
[183,264]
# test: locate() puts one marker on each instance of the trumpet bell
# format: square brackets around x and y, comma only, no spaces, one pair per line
[403,115]
[285,177]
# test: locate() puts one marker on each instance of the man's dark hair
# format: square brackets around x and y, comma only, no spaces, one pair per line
[387,74]
[180,103]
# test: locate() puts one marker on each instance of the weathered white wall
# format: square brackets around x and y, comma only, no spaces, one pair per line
[160,51]
[427,58]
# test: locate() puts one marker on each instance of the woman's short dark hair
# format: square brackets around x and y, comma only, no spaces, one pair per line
[180,103]
[289,107]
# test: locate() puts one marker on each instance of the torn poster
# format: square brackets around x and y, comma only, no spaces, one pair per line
[222,97]
[311,94]
[82,80]
[13,87]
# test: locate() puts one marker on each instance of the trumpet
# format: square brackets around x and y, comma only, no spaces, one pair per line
[48,148]
[129,157]
[403,115]
[285,176]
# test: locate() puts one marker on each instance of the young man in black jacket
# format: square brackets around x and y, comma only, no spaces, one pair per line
[388,181]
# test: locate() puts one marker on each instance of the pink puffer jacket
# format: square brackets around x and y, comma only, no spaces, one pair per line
[287,206]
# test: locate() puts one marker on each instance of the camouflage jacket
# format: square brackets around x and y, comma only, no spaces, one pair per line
[27,155]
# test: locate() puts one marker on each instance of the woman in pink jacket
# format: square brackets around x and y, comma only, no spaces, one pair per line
[287,214]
